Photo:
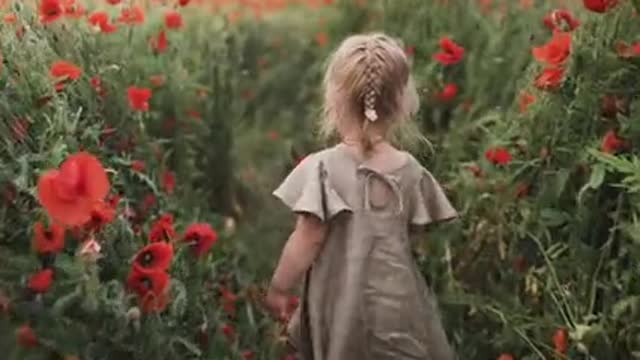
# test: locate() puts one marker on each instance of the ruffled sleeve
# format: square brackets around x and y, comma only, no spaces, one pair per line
[430,204]
[307,189]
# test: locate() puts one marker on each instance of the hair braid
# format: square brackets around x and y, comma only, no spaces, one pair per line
[372,88]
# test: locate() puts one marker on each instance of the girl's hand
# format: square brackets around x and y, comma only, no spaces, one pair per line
[278,304]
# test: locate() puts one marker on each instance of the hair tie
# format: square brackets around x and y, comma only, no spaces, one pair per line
[371,114]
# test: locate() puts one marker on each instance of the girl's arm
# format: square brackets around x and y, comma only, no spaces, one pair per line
[299,252]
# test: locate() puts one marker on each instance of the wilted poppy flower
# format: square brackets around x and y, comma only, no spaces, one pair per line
[114,2]
[139,98]
[201,237]
[48,241]
[498,156]
[148,202]
[448,93]
[612,105]
[162,229]
[154,257]
[64,70]
[526,99]
[173,20]
[26,337]
[506,357]
[451,53]
[40,282]
[96,84]
[50,10]
[183,2]
[168,181]
[556,51]
[550,79]
[151,287]
[475,170]
[557,19]
[132,15]
[611,143]
[560,343]
[70,193]
[599,6]
[522,190]
[101,19]
[160,42]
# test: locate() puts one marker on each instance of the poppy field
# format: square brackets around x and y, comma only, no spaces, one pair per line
[141,140]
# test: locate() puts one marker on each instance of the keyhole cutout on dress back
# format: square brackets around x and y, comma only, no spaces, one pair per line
[381,194]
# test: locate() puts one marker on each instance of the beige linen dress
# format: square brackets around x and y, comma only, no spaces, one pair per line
[364,297]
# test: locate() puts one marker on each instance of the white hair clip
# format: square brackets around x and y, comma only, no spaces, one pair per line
[371,115]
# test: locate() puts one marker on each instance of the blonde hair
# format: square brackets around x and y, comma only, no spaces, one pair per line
[368,82]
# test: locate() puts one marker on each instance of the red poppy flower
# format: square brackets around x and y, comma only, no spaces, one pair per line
[10,18]
[229,331]
[410,51]
[168,181]
[114,2]
[132,15]
[70,193]
[322,39]
[152,289]
[556,51]
[149,202]
[194,114]
[550,79]
[49,240]
[558,19]
[201,237]
[228,301]
[73,10]
[63,70]
[40,282]
[248,355]
[162,229]
[626,51]
[560,343]
[611,143]
[96,84]
[506,357]
[138,165]
[159,43]
[498,156]
[26,337]
[102,214]
[183,2]
[526,99]
[173,20]
[139,98]
[50,10]
[448,93]
[451,53]
[599,6]
[157,80]
[101,19]
[154,257]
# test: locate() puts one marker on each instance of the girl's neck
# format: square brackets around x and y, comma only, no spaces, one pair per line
[356,141]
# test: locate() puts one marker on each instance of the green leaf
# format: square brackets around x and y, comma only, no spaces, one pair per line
[553,217]
[597,176]
[65,302]
[630,303]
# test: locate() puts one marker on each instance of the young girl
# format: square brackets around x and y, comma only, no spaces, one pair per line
[364,297]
